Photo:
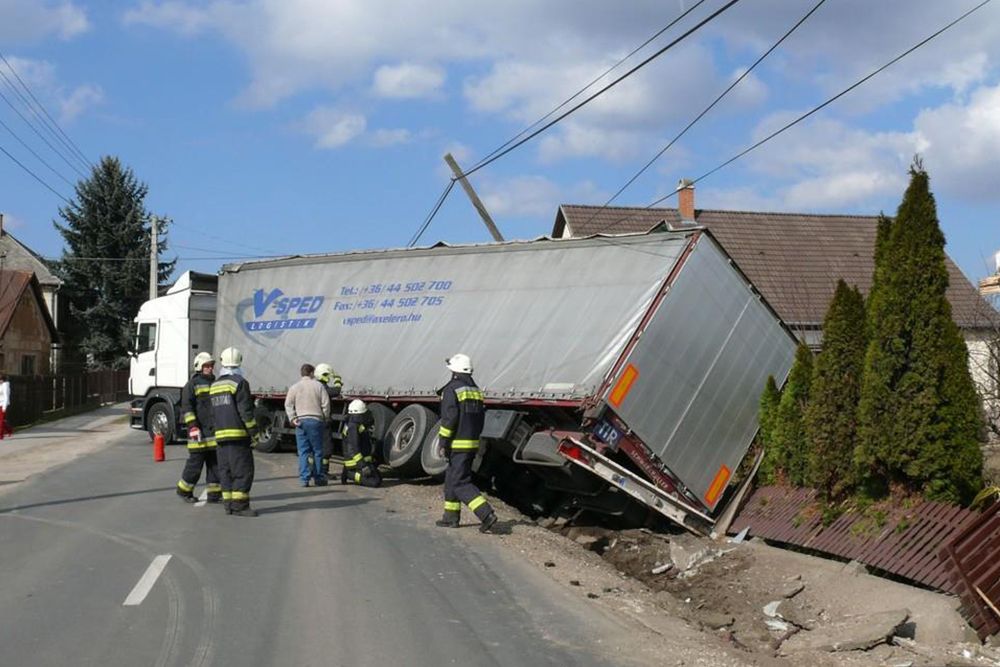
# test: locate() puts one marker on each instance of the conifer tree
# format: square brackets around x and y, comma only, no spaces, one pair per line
[789,437]
[105,266]
[831,416]
[766,416]
[919,413]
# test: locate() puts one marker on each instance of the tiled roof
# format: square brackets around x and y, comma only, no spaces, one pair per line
[12,285]
[794,259]
[18,257]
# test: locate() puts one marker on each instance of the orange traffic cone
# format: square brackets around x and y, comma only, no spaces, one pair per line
[158,453]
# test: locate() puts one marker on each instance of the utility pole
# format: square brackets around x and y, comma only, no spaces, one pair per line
[154,265]
[473,197]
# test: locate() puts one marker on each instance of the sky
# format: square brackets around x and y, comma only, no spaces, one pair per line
[267,127]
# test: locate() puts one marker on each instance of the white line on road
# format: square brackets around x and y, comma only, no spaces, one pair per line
[147,580]
[202,499]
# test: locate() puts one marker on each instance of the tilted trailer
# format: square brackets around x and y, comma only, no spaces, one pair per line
[616,370]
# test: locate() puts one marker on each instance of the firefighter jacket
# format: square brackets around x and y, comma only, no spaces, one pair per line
[462,413]
[196,409]
[232,407]
[357,441]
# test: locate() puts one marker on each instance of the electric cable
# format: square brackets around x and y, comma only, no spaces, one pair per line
[34,175]
[430,216]
[40,136]
[37,156]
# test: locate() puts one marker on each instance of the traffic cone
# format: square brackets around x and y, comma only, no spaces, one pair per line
[158,453]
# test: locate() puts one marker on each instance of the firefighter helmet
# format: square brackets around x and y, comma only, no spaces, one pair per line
[357,407]
[324,372]
[203,358]
[460,363]
[231,357]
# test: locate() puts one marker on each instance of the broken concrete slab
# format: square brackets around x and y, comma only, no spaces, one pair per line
[715,621]
[771,608]
[687,552]
[797,614]
[848,634]
[791,589]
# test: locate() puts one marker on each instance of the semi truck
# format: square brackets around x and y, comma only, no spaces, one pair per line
[621,373]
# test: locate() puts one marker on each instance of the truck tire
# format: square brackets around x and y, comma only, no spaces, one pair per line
[405,438]
[270,439]
[432,458]
[382,416]
[160,420]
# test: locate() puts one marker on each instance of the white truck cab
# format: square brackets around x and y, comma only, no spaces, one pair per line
[169,331]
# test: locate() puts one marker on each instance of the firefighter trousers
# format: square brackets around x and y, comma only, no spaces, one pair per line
[459,489]
[361,471]
[236,473]
[201,456]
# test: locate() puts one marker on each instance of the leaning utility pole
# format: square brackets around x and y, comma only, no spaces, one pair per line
[154,265]
[473,197]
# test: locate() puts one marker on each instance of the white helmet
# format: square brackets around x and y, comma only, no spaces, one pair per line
[357,407]
[324,372]
[203,358]
[460,363]
[231,357]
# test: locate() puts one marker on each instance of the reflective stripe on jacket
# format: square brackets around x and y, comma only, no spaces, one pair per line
[462,413]
[196,405]
[232,408]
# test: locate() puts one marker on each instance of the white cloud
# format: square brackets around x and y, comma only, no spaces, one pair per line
[534,196]
[408,80]
[78,101]
[30,20]
[384,137]
[333,128]
[176,16]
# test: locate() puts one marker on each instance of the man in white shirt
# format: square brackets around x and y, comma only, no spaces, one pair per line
[5,429]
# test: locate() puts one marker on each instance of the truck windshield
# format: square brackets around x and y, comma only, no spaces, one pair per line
[145,337]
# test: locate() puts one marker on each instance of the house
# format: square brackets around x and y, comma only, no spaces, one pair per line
[15,256]
[795,260]
[27,331]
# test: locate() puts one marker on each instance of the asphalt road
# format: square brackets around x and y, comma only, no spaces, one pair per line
[324,576]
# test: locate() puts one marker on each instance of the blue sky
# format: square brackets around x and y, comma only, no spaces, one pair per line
[291,126]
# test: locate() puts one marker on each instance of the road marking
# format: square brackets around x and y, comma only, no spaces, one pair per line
[202,499]
[147,580]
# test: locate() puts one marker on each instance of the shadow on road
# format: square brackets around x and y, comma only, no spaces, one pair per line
[313,505]
[299,494]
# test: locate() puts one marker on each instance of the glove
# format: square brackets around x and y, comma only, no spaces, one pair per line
[254,439]
[446,447]
[194,434]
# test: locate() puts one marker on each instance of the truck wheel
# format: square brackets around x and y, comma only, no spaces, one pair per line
[160,420]
[405,437]
[432,458]
[382,416]
[269,437]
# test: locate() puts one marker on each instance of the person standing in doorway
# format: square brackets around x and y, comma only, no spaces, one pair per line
[307,406]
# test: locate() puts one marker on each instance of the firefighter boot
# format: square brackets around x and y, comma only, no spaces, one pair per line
[186,496]
[487,524]
[449,520]
[215,497]
[246,511]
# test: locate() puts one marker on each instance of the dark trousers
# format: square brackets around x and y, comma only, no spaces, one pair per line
[236,473]
[327,447]
[199,457]
[459,489]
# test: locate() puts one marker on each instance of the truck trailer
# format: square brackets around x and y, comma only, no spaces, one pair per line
[621,373]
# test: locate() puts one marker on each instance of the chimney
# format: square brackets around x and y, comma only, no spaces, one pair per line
[685,200]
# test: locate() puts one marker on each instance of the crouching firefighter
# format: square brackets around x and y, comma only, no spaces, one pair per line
[235,433]
[359,466]
[329,378]
[196,409]
[462,417]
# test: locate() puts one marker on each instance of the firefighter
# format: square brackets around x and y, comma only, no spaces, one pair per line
[462,416]
[235,433]
[326,375]
[359,466]
[196,407]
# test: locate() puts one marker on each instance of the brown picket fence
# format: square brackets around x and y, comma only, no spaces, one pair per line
[49,396]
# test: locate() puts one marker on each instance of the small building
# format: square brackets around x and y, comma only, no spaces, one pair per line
[27,331]
[795,260]
[15,256]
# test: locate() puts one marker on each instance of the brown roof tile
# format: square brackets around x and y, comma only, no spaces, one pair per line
[794,259]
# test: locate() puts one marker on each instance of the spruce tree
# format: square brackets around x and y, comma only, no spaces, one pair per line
[919,414]
[831,416]
[766,416]
[105,266]
[788,434]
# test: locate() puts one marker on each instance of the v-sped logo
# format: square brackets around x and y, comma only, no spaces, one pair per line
[273,311]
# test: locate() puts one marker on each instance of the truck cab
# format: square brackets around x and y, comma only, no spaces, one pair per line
[169,331]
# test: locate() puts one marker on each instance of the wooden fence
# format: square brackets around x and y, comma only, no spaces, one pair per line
[48,396]
[975,556]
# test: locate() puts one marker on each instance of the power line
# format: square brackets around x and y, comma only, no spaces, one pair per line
[37,156]
[430,216]
[704,111]
[34,175]
[614,83]
[32,127]
[59,134]
[598,78]
[815,109]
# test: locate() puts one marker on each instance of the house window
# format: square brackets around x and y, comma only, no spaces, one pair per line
[145,338]
[28,364]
